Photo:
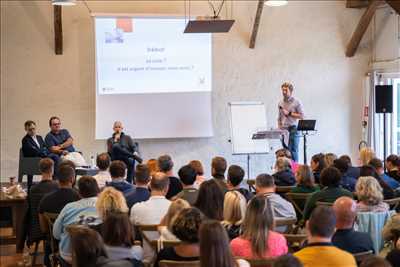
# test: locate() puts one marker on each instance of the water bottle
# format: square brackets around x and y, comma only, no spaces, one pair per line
[92,162]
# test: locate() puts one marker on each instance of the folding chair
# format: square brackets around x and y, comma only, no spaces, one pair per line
[298,200]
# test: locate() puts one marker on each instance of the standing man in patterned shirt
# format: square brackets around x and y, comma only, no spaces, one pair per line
[290,111]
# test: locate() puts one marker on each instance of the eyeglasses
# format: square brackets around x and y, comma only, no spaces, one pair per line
[56,124]
[31,129]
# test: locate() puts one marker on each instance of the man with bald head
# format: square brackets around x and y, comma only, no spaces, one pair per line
[121,147]
[345,237]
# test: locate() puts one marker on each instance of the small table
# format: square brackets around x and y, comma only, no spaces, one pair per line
[18,207]
[86,171]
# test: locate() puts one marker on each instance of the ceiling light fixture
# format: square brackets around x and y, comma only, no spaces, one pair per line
[276,2]
[63,2]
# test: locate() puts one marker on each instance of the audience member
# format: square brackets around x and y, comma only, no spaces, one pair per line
[287,260]
[142,179]
[392,166]
[214,247]
[235,178]
[174,209]
[331,190]
[366,154]
[110,201]
[103,176]
[319,250]
[186,228]
[121,147]
[369,170]
[345,237]
[118,236]
[152,210]
[166,164]
[210,200]
[369,195]
[317,164]
[283,152]
[88,250]
[79,212]
[234,212]
[378,165]
[394,255]
[118,171]
[258,240]
[152,164]
[346,182]
[188,175]
[265,187]
[391,227]
[329,158]
[352,171]
[218,168]
[305,180]
[375,261]
[283,175]
[196,164]
[58,140]
[36,194]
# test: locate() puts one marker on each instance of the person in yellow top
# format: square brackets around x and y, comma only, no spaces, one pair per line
[320,251]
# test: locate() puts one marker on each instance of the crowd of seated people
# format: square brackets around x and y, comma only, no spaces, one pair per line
[217,221]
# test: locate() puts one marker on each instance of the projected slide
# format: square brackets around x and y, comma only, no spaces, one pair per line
[144,56]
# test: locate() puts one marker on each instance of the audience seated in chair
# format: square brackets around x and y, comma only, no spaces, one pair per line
[103,162]
[394,255]
[218,168]
[319,250]
[118,171]
[317,164]
[79,212]
[347,182]
[378,165]
[165,227]
[376,261]
[345,237]
[142,180]
[118,236]
[54,202]
[330,190]
[214,247]
[283,152]
[196,164]
[329,159]
[166,165]
[365,155]
[235,178]
[352,171]
[188,175]
[89,251]
[185,227]
[391,227]
[210,200]
[283,175]
[265,187]
[287,260]
[392,167]
[304,180]
[369,195]
[258,240]
[234,212]
[151,212]
[152,164]
[369,170]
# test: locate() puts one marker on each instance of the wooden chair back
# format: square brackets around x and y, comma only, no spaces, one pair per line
[50,219]
[166,263]
[394,203]
[288,222]
[283,189]
[295,242]
[298,200]
[322,203]
[260,262]
[362,256]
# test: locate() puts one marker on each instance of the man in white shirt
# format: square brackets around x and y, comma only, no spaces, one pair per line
[103,162]
[152,210]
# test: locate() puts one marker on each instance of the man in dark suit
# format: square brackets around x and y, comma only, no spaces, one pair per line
[33,144]
[121,147]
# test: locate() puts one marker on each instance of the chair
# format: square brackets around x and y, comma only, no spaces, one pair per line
[295,242]
[146,228]
[393,203]
[50,219]
[166,263]
[157,245]
[298,200]
[283,189]
[322,203]
[27,166]
[361,256]
[288,222]
[260,262]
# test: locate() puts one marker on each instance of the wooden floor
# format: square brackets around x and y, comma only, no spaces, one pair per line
[8,256]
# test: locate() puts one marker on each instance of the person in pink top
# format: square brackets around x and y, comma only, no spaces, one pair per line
[258,240]
[283,152]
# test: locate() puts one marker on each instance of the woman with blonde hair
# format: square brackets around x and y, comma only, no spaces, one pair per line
[167,221]
[330,158]
[110,200]
[370,196]
[234,212]
[305,180]
[366,154]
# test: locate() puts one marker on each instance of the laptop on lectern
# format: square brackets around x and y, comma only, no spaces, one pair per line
[306,125]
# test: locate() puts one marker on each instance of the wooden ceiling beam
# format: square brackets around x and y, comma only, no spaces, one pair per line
[361,28]
[395,4]
[356,3]
[58,36]
[256,25]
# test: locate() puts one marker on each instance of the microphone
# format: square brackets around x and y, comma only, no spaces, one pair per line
[137,157]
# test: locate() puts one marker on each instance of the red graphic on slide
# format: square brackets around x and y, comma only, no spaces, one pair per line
[125,24]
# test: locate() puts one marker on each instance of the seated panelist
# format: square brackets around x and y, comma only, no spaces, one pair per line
[33,144]
[58,140]
[121,147]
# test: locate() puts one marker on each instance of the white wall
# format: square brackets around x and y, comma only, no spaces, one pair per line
[303,42]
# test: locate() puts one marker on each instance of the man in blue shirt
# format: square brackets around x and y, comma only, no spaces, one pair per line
[378,165]
[58,140]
